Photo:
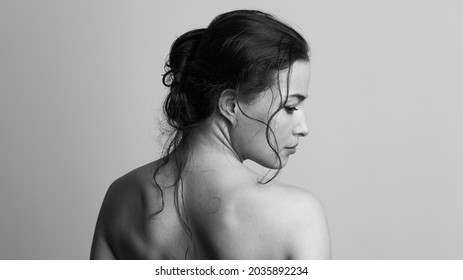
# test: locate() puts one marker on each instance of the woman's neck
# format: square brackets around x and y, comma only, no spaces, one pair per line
[211,142]
[208,148]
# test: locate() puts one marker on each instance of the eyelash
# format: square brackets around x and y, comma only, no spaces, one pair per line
[291,109]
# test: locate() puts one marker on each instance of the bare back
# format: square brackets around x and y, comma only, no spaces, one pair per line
[229,215]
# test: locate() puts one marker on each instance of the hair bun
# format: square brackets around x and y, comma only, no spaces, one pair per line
[181,55]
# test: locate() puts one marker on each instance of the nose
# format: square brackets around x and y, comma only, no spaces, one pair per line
[301,129]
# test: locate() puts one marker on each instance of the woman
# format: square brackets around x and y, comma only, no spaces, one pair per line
[236,91]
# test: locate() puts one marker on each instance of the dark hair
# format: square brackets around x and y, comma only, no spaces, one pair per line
[242,50]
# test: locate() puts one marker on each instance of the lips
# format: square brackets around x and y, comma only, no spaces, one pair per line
[292,147]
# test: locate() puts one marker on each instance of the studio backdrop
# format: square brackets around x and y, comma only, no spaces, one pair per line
[81,97]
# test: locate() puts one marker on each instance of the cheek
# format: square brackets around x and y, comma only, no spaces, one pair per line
[281,128]
[254,131]
[255,126]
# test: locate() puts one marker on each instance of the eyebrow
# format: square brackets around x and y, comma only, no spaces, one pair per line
[299,96]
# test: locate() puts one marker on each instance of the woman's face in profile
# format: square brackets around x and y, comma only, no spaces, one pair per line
[288,125]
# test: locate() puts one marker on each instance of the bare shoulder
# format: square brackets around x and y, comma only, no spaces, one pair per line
[304,221]
[134,188]
[274,220]
[133,194]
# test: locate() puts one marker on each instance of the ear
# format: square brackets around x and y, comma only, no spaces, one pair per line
[228,105]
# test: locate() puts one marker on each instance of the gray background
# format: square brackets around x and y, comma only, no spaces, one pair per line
[81,92]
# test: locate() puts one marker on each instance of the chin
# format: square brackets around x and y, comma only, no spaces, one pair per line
[274,164]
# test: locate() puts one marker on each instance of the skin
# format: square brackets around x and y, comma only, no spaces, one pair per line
[230,214]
